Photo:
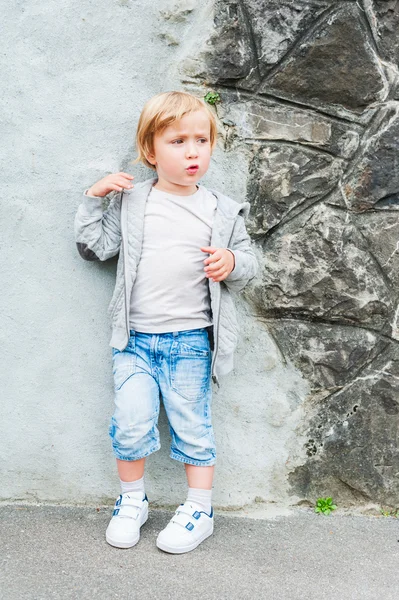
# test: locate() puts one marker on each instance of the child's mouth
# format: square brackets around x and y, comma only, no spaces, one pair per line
[193,169]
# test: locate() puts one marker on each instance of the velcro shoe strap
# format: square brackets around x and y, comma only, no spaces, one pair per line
[183,518]
[130,502]
[127,510]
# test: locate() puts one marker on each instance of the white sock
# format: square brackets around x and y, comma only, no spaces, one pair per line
[133,486]
[201,497]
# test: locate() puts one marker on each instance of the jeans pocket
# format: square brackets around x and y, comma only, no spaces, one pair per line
[190,370]
[124,364]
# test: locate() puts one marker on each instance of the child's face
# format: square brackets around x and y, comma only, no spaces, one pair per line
[182,153]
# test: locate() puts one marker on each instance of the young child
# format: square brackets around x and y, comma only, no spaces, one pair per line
[182,249]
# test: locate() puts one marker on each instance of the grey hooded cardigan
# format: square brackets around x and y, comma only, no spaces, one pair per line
[101,234]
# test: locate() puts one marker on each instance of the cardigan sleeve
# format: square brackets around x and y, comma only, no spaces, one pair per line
[98,232]
[246,264]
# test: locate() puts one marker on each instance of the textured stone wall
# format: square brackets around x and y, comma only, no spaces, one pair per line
[310,89]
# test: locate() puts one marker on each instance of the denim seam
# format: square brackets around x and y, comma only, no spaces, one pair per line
[196,463]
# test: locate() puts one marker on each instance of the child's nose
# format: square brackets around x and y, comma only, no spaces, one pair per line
[192,151]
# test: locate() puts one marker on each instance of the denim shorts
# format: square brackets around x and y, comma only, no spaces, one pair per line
[177,367]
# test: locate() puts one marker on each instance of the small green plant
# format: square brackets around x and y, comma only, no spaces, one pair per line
[212,98]
[390,513]
[325,506]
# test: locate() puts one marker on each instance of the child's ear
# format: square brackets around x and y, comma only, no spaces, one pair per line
[151,159]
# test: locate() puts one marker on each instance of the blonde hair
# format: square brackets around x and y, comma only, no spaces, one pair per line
[160,112]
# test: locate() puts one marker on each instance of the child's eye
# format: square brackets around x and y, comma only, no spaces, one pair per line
[177,142]
[203,140]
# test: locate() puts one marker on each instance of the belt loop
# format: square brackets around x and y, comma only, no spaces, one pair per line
[175,333]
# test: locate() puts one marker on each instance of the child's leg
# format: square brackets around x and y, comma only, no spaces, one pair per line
[200,486]
[134,433]
[199,477]
[130,470]
[131,475]
[185,384]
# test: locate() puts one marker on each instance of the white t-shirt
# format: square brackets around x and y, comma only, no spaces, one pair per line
[171,291]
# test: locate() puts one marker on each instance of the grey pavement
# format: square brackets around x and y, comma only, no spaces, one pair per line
[60,552]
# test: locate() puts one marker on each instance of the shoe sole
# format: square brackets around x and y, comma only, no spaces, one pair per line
[118,544]
[184,549]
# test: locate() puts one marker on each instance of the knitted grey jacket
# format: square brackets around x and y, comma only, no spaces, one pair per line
[101,234]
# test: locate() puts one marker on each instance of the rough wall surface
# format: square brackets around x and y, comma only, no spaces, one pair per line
[308,134]
[310,89]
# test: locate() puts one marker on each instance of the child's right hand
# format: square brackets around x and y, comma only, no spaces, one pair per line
[114,182]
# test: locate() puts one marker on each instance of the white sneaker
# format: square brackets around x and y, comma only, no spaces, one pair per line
[189,526]
[130,513]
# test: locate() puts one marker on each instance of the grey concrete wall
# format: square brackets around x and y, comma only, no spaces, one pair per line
[75,76]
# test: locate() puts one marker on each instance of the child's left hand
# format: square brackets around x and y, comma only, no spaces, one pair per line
[220,264]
